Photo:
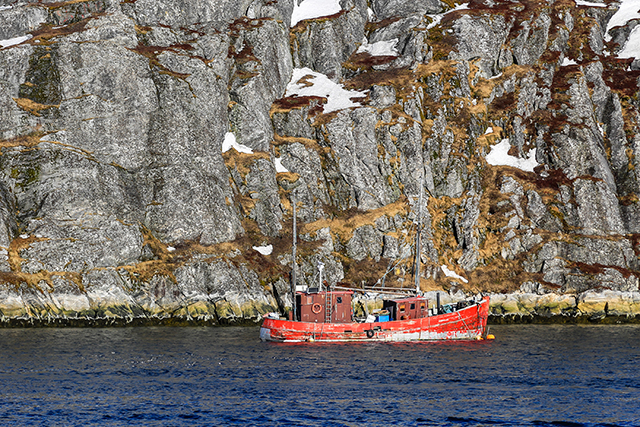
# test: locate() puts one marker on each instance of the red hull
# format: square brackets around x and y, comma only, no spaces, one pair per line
[466,324]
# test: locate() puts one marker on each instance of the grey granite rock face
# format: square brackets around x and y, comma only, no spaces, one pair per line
[17,21]
[14,121]
[312,189]
[263,68]
[123,199]
[468,235]
[384,9]
[352,137]
[531,41]
[597,207]
[366,242]
[540,216]
[480,37]
[8,226]
[280,10]
[189,186]
[263,189]
[324,44]
[184,13]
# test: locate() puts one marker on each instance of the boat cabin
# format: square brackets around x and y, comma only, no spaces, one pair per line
[407,308]
[324,307]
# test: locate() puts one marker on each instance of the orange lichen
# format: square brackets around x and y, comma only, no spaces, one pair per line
[32,107]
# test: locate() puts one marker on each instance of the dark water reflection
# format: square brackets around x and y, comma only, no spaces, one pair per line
[531,375]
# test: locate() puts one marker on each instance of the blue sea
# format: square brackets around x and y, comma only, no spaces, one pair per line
[530,375]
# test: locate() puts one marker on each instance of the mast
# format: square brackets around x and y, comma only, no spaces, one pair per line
[320,271]
[293,272]
[418,231]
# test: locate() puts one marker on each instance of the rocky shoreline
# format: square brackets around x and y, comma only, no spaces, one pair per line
[606,307]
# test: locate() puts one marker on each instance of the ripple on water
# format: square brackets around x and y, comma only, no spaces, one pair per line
[531,375]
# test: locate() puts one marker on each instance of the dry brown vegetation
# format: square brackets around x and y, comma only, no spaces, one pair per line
[242,162]
[32,107]
[43,36]
[27,141]
[35,281]
[152,53]
[344,225]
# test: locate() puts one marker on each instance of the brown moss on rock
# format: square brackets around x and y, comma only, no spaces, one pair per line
[344,223]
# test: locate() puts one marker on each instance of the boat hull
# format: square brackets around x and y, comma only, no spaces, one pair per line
[467,324]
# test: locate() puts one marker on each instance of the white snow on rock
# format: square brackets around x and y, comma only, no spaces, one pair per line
[631,49]
[279,166]
[317,84]
[171,249]
[381,48]
[311,9]
[499,156]
[450,273]
[5,7]
[629,9]
[438,17]
[14,41]
[566,61]
[488,131]
[230,142]
[264,250]
[589,4]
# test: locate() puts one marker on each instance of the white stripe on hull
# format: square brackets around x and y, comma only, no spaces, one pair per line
[265,335]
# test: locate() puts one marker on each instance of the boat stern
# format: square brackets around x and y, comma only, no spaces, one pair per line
[265,334]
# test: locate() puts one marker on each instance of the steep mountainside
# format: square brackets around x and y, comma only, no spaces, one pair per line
[150,151]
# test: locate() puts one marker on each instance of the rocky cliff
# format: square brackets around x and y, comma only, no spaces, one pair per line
[150,151]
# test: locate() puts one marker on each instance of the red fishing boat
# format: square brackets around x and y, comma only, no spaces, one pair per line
[327,315]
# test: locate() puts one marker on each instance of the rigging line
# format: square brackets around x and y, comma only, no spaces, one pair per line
[465,325]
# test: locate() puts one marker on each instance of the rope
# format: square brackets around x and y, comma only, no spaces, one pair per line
[465,325]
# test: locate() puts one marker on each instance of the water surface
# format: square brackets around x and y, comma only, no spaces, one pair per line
[531,375]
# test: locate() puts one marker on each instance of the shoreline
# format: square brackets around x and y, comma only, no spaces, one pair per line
[34,323]
[146,322]
[590,307]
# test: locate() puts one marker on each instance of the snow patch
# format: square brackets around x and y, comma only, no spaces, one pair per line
[317,84]
[264,250]
[5,7]
[279,166]
[381,48]
[14,41]
[499,156]
[438,17]
[311,9]
[589,4]
[488,131]
[566,62]
[450,273]
[631,48]
[230,142]
[170,249]
[629,9]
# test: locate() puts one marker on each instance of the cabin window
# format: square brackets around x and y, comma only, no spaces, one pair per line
[422,306]
[339,300]
[413,306]
[401,307]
